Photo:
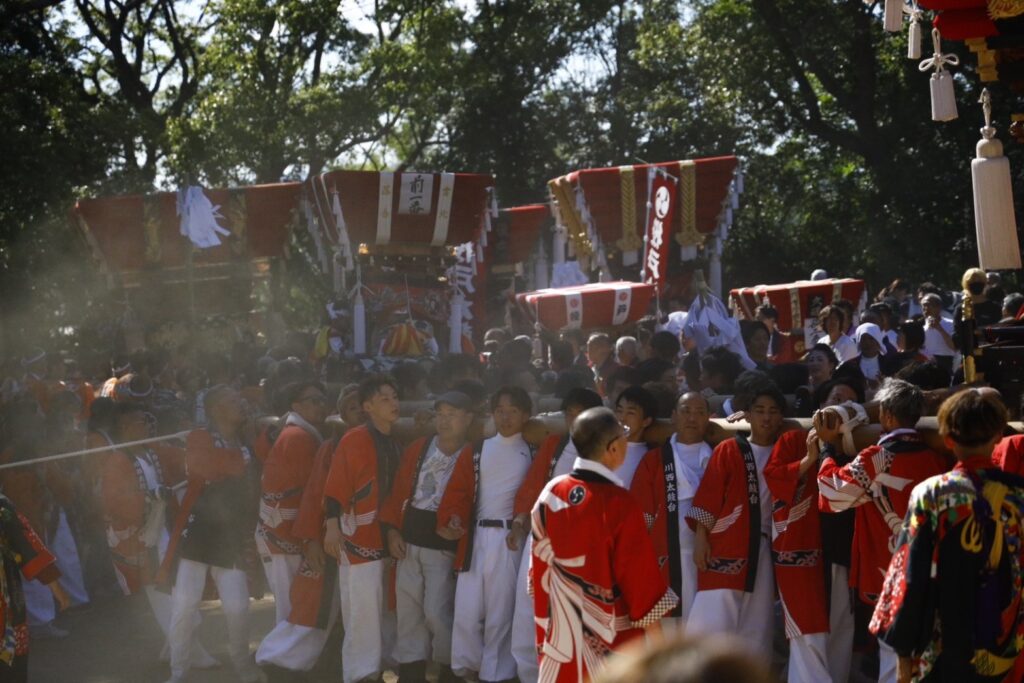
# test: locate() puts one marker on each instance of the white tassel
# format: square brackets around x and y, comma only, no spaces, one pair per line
[541,269]
[943,96]
[455,323]
[630,257]
[994,219]
[914,33]
[359,323]
[558,245]
[688,253]
[893,21]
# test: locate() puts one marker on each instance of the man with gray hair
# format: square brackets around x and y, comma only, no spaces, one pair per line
[594,574]
[625,350]
[878,483]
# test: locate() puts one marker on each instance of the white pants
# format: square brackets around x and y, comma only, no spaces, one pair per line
[808,659]
[745,615]
[38,599]
[425,591]
[163,606]
[281,571]
[840,619]
[39,603]
[369,625]
[63,547]
[887,663]
[296,647]
[233,589]
[485,600]
[524,628]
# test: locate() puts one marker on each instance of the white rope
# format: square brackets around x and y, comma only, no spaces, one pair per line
[938,61]
[91,451]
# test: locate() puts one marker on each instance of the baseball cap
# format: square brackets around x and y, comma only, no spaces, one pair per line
[456,399]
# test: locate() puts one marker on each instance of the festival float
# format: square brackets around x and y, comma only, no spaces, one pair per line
[626,237]
[403,254]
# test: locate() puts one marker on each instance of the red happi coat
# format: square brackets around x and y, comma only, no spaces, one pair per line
[796,548]
[594,575]
[215,471]
[877,483]
[127,503]
[728,504]
[654,489]
[285,474]
[312,592]
[542,469]
[358,483]
[1008,455]
[22,554]
[393,512]
[460,499]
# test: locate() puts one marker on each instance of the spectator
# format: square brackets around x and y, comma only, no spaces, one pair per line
[1012,304]
[833,324]
[757,340]
[938,332]
[719,368]
[626,351]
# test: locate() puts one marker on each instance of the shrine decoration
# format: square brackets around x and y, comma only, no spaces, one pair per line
[602,214]
[994,218]
[798,303]
[597,305]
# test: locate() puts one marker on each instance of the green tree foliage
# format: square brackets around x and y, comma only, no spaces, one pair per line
[845,170]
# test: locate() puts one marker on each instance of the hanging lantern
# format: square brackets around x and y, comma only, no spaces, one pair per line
[914,33]
[943,96]
[893,18]
[994,219]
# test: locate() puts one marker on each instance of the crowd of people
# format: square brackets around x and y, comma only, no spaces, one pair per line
[524,512]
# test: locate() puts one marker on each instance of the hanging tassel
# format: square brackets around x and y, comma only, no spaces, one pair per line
[943,96]
[994,219]
[893,20]
[541,269]
[914,33]
[688,253]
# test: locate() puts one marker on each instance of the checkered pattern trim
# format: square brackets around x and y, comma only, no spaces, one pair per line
[666,604]
[648,521]
[703,517]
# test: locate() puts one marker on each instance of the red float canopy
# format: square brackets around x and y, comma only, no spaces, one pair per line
[524,226]
[603,304]
[134,232]
[795,301]
[616,199]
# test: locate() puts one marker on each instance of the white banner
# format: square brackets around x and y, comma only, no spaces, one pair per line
[416,193]
[623,299]
[573,309]
[385,195]
[444,209]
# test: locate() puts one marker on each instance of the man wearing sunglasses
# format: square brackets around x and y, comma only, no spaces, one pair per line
[592,556]
[285,475]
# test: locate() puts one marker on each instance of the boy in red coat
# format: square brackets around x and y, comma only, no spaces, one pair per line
[425,581]
[797,553]
[878,483]
[594,574]
[296,643]
[362,473]
[285,474]
[731,517]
